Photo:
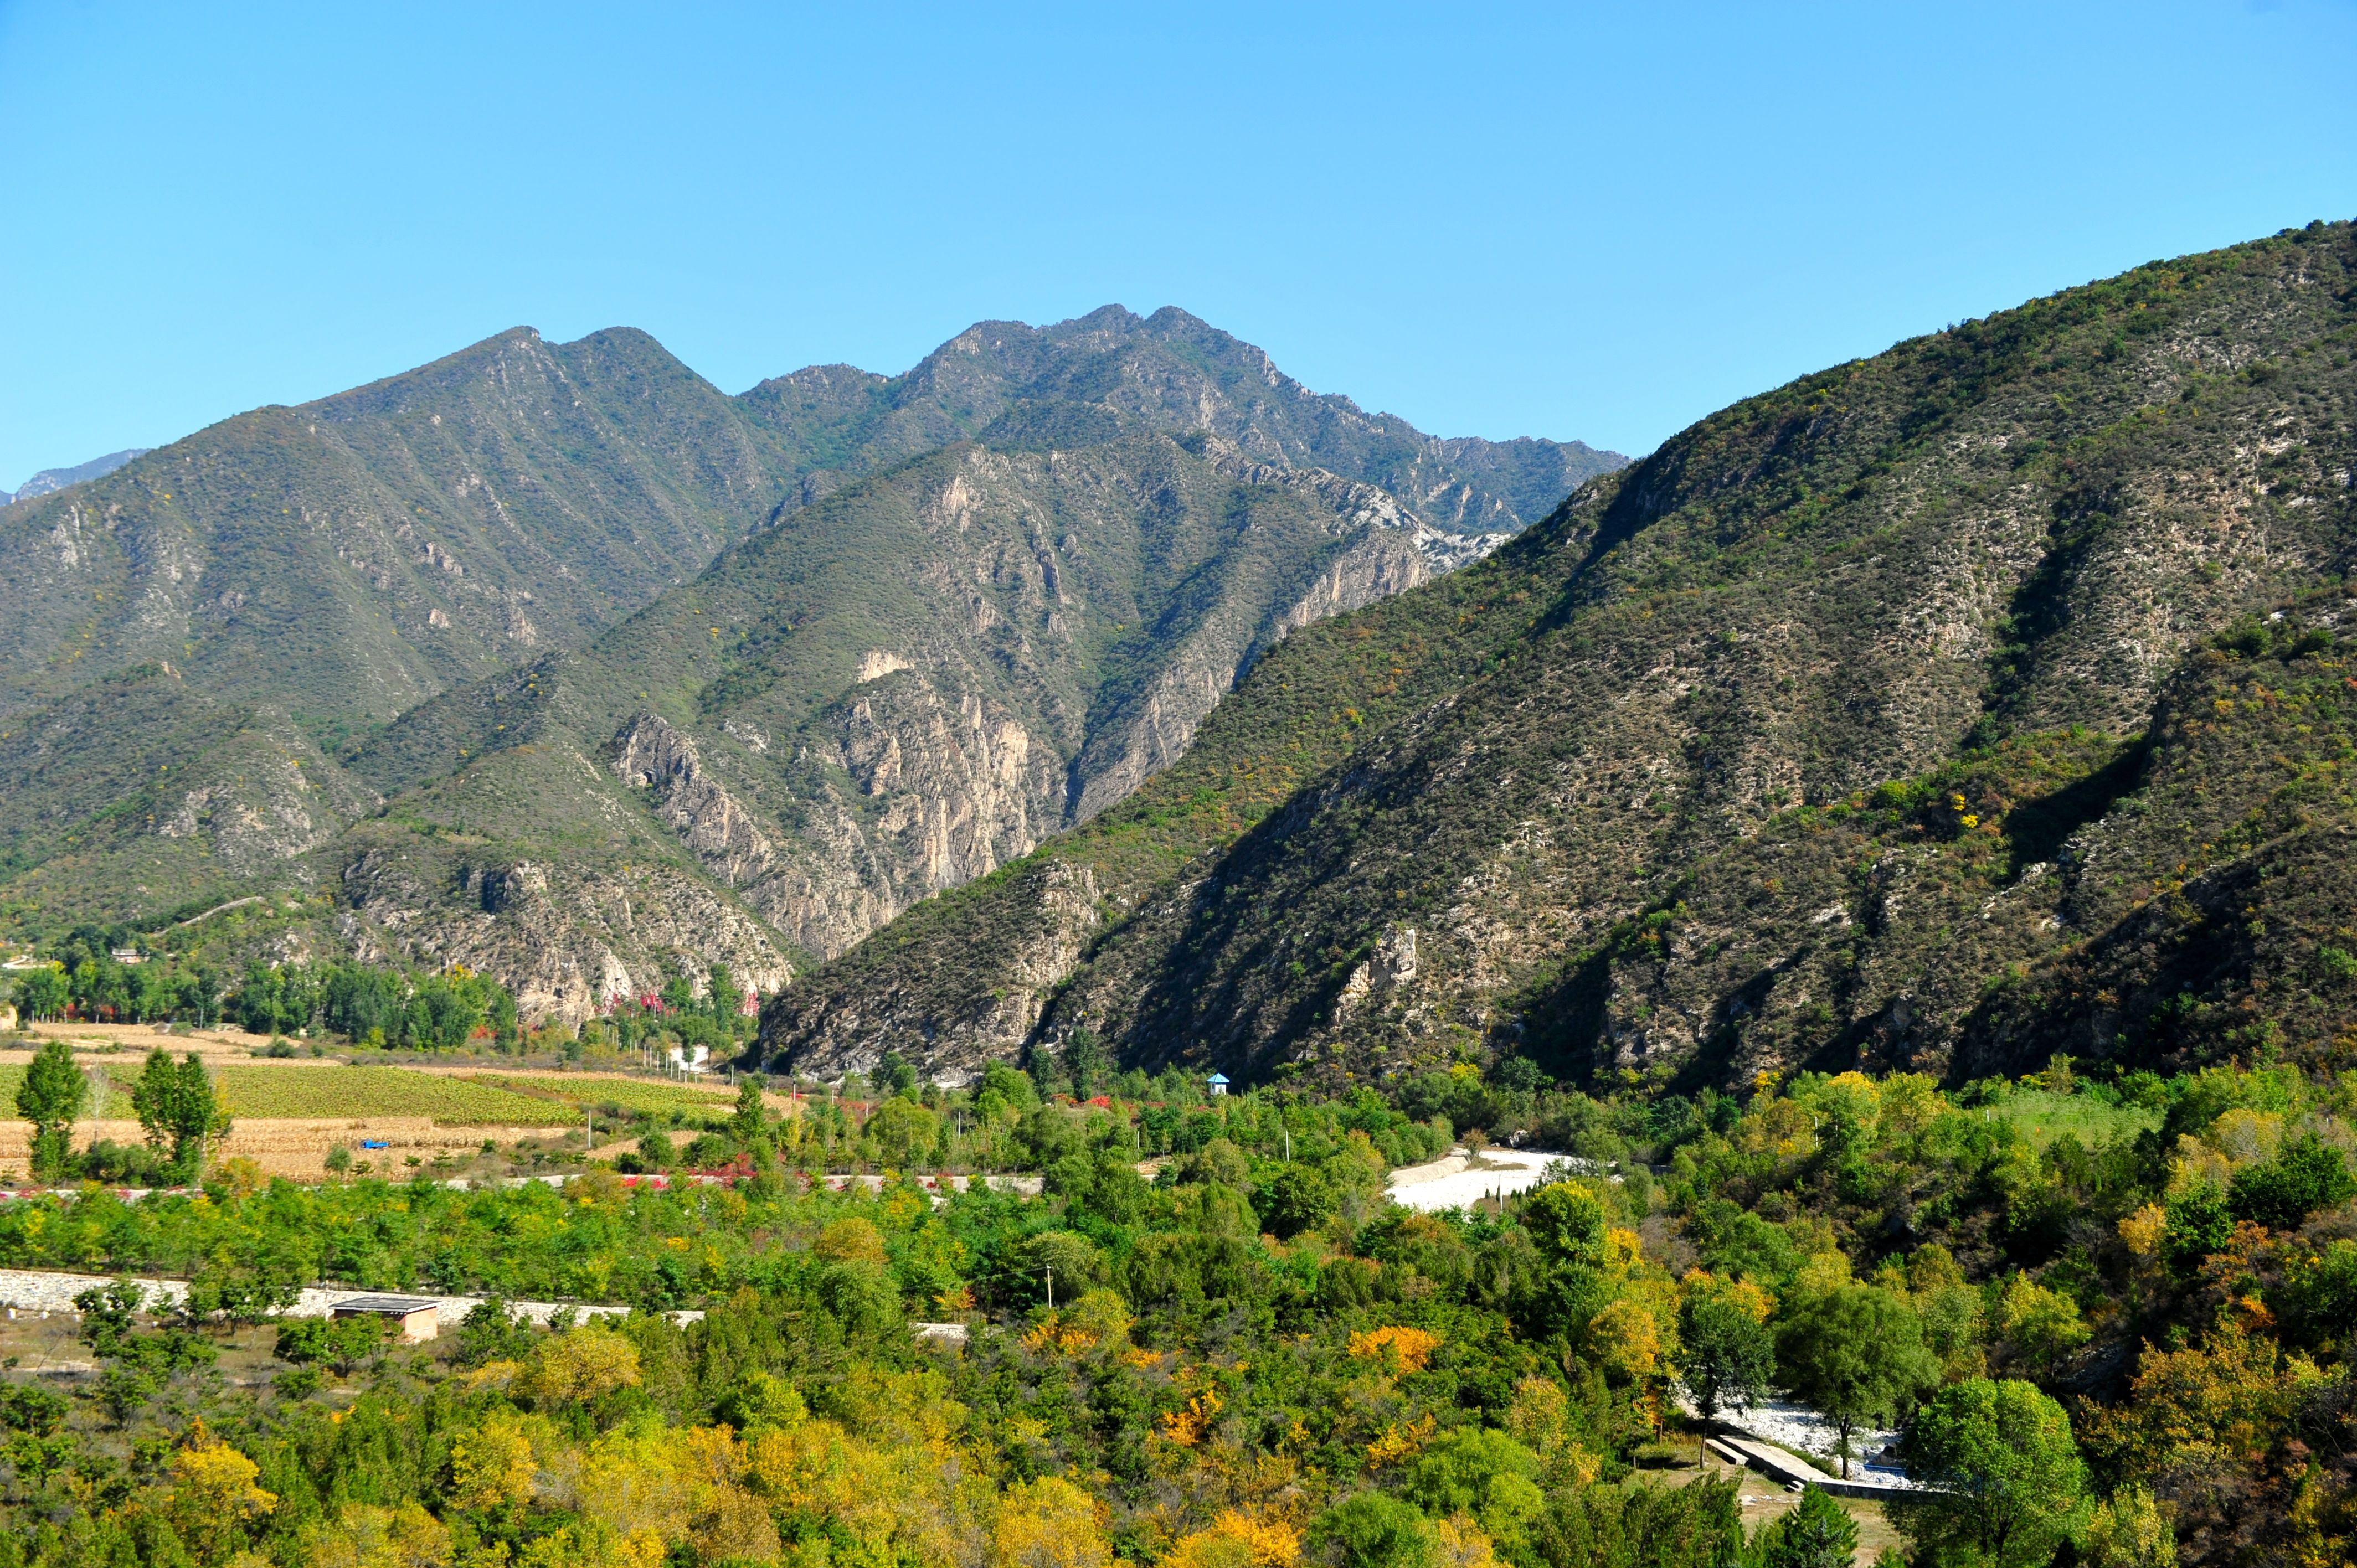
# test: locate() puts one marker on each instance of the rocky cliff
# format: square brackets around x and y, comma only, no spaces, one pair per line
[785,663]
[1693,810]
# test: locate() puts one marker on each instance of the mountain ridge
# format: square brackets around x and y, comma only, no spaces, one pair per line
[977,601]
[1982,537]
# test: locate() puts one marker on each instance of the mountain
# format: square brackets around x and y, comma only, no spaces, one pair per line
[1985,699]
[591,671]
[50,479]
[347,558]
[893,690]
[1110,374]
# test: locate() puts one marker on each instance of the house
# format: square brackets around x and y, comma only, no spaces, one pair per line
[1217,1083]
[420,1316]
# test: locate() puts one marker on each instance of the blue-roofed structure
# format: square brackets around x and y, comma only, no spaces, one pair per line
[1217,1083]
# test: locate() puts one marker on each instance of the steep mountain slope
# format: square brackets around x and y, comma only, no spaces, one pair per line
[972,644]
[1982,557]
[349,558]
[140,794]
[893,690]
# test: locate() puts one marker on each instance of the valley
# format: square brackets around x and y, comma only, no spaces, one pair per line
[1294,994]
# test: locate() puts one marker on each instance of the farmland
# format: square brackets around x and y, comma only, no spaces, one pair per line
[640,1096]
[269,1091]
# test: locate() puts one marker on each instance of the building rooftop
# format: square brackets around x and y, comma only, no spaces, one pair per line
[390,1305]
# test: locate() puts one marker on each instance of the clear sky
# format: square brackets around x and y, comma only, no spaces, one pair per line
[1600,221]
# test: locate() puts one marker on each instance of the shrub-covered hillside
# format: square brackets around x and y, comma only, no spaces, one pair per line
[1996,556]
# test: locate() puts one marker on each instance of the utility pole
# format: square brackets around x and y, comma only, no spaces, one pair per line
[1051,1287]
[589,1136]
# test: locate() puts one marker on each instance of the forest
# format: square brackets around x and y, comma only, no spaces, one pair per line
[2110,1314]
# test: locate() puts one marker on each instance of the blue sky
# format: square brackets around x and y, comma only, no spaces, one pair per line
[1496,221]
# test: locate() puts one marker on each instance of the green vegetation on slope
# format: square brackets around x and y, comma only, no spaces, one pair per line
[2022,528]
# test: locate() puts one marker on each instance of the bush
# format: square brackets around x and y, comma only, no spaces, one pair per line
[2306,1178]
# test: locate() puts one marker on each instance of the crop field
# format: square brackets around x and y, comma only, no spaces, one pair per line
[629,1094]
[265,1091]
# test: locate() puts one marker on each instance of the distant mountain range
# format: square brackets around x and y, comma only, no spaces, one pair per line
[1982,700]
[50,479]
[556,661]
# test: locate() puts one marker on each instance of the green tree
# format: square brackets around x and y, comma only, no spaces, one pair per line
[2308,1176]
[1856,1354]
[1372,1530]
[177,1105]
[155,1096]
[2012,1486]
[1299,1197]
[2198,1225]
[52,1094]
[903,1131]
[43,993]
[721,986]
[1727,1356]
[1566,1221]
[1819,1533]
[750,1120]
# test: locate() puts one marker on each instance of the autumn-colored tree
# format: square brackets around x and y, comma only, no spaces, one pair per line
[214,1502]
[851,1240]
[1048,1523]
[361,1536]
[580,1365]
[492,1467]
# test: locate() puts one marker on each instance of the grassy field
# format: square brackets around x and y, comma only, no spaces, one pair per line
[2045,1117]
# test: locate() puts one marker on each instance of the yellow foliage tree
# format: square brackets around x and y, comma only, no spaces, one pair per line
[1625,1341]
[850,1240]
[1048,1523]
[592,1544]
[492,1467]
[1463,1543]
[213,1498]
[2142,1230]
[1234,1541]
[1401,1350]
[365,1537]
[2129,1532]
[580,1364]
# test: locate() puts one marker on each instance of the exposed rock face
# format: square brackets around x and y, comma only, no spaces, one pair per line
[913,626]
[847,1028]
[916,680]
[1994,535]
[653,757]
[566,943]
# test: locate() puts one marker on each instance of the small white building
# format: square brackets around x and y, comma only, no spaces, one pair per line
[692,1058]
[1217,1083]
